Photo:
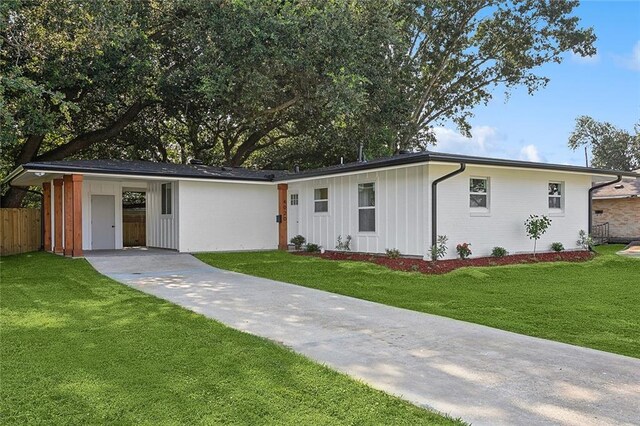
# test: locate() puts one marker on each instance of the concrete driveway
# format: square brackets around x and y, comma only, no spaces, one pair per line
[481,374]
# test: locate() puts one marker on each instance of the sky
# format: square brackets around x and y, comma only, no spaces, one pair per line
[537,127]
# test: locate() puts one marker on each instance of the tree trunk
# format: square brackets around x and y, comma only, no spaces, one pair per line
[13,198]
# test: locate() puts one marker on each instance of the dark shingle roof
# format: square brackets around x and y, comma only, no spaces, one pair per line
[627,188]
[170,170]
[150,168]
[430,156]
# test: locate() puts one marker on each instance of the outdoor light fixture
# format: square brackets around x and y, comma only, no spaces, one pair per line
[40,174]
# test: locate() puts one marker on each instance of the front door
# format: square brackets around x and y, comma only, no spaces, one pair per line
[293,218]
[103,222]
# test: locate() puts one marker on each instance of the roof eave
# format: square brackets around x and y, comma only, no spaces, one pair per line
[71,169]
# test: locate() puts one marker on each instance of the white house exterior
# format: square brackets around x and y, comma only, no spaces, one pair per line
[382,204]
[403,209]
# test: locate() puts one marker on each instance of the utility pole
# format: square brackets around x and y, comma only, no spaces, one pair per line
[586,157]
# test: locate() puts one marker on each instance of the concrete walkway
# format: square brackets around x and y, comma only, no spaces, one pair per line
[483,375]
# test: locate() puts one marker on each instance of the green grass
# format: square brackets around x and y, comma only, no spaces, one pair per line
[78,348]
[593,304]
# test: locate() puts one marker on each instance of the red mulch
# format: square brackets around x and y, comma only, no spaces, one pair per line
[444,266]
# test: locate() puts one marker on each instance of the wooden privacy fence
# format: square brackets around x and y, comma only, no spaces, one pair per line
[21,231]
[134,230]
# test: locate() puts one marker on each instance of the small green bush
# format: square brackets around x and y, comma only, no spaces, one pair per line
[584,240]
[439,249]
[298,241]
[344,245]
[557,247]
[499,252]
[393,253]
[464,250]
[312,248]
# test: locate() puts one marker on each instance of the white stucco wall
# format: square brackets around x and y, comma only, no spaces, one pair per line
[403,209]
[217,216]
[162,230]
[400,214]
[514,194]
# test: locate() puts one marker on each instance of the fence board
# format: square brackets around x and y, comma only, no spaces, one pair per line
[21,231]
[134,230]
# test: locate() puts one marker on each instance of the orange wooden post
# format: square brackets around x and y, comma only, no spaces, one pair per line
[68,215]
[46,212]
[282,211]
[57,215]
[77,215]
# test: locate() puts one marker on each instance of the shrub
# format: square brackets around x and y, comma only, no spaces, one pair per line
[414,268]
[439,249]
[344,245]
[499,252]
[463,250]
[557,247]
[298,241]
[584,240]
[392,253]
[312,248]
[536,226]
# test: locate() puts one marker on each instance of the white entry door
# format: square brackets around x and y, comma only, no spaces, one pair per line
[103,222]
[293,218]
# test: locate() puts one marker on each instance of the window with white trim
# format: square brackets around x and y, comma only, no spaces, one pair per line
[294,199]
[367,207]
[166,198]
[479,194]
[556,192]
[321,200]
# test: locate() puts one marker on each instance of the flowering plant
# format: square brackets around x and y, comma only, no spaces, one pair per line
[463,250]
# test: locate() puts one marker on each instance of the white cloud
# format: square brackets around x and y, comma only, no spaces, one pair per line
[485,141]
[631,61]
[585,59]
[635,57]
[530,153]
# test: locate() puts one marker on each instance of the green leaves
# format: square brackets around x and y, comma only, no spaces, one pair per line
[611,147]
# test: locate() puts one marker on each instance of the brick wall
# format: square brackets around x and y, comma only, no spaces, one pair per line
[623,215]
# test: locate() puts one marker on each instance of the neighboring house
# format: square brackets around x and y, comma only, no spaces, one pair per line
[400,202]
[616,208]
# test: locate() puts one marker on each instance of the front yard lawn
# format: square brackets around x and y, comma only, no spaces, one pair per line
[79,348]
[593,303]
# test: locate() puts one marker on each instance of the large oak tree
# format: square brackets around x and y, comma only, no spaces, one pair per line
[263,82]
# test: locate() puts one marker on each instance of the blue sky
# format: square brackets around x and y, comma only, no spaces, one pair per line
[605,87]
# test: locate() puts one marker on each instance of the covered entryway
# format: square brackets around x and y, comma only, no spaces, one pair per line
[103,222]
[134,218]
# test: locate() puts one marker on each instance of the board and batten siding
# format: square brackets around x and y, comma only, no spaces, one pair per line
[400,213]
[163,229]
[220,216]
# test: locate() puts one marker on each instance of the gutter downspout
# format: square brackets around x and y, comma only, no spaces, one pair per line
[593,188]
[434,201]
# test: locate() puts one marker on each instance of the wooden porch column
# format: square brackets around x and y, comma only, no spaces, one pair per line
[76,181]
[57,215]
[46,212]
[68,215]
[282,211]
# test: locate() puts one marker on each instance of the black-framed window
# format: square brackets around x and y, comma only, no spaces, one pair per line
[166,198]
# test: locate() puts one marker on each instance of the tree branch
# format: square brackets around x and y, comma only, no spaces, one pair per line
[85,140]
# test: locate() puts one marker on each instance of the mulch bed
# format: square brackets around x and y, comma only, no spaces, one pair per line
[444,266]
